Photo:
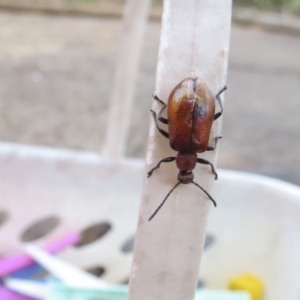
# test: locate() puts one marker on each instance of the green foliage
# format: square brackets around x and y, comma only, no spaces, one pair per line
[79,1]
[275,5]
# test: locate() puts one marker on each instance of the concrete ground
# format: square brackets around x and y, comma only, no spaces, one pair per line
[55,75]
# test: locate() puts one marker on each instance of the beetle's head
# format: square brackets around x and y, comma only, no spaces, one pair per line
[185,177]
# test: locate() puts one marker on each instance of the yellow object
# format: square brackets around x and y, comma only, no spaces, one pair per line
[249,283]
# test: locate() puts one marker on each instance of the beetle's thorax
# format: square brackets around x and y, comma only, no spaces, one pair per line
[186,162]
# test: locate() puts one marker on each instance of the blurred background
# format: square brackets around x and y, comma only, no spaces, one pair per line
[57,60]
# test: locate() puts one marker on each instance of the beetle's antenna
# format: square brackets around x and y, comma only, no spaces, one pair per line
[160,206]
[208,195]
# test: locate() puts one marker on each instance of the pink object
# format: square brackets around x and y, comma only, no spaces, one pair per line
[15,263]
[6,294]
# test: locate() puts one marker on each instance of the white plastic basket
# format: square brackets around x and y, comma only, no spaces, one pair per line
[255,227]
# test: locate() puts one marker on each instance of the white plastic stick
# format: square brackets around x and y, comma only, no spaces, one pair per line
[28,288]
[134,23]
[168,249]
[66,272]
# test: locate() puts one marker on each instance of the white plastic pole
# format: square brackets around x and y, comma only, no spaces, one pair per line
[194,41]
[134,24]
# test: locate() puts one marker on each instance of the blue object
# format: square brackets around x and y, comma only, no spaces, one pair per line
[29,272]
[120,292]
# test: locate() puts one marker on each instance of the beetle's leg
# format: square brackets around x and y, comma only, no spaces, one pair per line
[167,159]
[164,133]
[160,118]
[216,142]
[217,115]
[205,162]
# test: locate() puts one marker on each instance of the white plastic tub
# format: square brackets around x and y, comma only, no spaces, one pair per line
[256,226]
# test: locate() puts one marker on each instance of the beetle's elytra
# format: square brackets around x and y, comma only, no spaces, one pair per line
[191,112]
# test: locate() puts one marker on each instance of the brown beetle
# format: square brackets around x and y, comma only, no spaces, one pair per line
[191,112]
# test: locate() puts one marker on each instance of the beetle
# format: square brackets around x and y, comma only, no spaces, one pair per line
[191,112]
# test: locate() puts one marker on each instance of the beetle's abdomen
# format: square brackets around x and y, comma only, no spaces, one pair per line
[180,115]
[202,123]
[191,109]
